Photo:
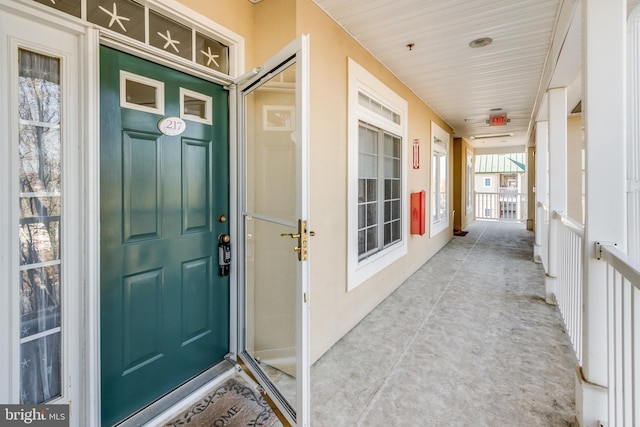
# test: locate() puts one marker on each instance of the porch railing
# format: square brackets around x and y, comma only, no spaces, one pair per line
[504,205]
[569,277]
[623,305]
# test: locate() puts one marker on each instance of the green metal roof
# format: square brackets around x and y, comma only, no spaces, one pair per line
[501,163]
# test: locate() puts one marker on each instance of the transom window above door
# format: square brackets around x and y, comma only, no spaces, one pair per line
[152,27]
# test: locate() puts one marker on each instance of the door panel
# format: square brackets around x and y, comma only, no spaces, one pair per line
[164,308]
[196,277]
[141,182]
[142,311]
[195,193]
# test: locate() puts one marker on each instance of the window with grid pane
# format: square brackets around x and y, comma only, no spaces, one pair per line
[439,185]
[379,183]
[40,206]
[377,176]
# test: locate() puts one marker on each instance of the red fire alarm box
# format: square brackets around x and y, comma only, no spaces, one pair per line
[417,212]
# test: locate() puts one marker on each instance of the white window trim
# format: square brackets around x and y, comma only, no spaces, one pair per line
[207,119]
[62,44]
[126,76]
[439,225]
[470,181]
[189,17]
[360,80]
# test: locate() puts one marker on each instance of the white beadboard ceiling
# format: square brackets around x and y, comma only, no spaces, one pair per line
[459,83]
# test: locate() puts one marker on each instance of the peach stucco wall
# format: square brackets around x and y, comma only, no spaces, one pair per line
[267,27]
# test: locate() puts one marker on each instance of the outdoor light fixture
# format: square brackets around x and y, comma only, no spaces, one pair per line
[481,42]
[491,135]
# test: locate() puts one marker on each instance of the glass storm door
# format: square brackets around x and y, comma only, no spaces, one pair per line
[274,298]
[164,184]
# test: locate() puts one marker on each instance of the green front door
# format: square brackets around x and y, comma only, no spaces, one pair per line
[164,307]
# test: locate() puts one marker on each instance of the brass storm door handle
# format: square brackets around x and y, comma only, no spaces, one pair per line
[302,236]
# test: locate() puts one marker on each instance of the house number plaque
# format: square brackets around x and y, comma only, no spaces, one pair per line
[172,126]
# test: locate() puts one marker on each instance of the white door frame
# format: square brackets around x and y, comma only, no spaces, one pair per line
[82,348]
[118,42]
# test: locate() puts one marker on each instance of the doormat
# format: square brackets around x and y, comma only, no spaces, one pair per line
[460,232]
[230,404]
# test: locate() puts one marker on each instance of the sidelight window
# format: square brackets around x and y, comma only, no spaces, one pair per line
[39,228]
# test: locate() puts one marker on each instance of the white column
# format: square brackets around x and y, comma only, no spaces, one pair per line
[633,137]
[557,101]
[542,154]
[604,106]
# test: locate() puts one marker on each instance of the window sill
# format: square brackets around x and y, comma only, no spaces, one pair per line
[359,272]
[438,227]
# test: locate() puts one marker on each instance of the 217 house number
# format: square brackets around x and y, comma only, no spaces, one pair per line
[172,126]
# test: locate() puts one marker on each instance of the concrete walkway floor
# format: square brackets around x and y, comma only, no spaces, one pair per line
[466,341]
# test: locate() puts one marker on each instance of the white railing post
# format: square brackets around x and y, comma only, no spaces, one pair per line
[604,107]
[542,154]
[569,284]
[557,102]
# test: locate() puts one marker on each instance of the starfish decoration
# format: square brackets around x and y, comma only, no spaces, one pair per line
[25,363]
[25,331]
[169,41]
[210,57]
[114,17]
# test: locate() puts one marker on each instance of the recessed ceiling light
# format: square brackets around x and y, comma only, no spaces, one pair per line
[481,42]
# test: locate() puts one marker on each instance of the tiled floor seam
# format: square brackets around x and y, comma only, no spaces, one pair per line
[411,341]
